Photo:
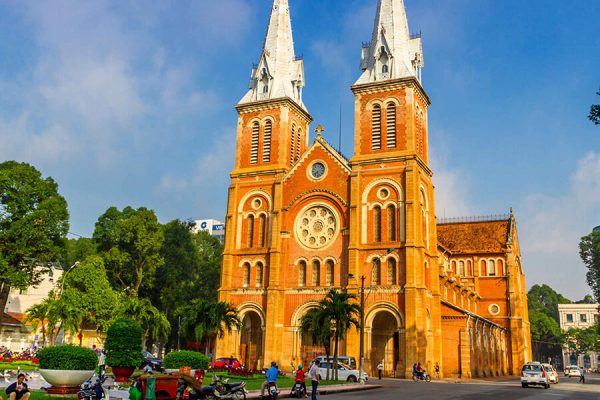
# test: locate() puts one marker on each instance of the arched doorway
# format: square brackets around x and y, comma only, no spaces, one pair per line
[251,340]
[305,349]
[384,343]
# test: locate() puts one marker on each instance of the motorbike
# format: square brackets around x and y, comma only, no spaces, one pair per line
[298,390]
[186,392]
[423,376]
[94,391]
[272,391]
[228,390]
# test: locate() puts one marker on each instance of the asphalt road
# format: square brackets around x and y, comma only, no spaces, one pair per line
[445,390]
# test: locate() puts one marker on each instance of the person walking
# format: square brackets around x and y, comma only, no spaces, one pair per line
[379,369]
[313,373]
[437,370]
[581,375]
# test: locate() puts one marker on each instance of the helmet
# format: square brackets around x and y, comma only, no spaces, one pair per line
[299,366]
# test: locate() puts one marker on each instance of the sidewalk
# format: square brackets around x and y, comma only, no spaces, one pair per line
[325,389]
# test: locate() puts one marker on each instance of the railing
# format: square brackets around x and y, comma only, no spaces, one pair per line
[480,218]
[415,35]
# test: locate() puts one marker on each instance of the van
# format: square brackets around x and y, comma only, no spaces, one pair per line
[351,361]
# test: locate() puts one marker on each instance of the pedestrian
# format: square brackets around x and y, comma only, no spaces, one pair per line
[313,373]
[437,370]
[101,363]
[581,375]
[18,390]
[379,369]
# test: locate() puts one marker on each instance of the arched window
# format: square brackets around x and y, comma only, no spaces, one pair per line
[376,127]
[250,239]
[302,273]
[376,274]
[264,81]
[482,268]
[298,143]
[390,125]
[500,268]
[262,222]
[254,143]
[246,278]
[385,69]
[453,263]
[469,268]
[392,272]
[377,224]
[293,145]
[419,133]
[492,268]
[425,218]
[330,273]
[461,268]
[259,274]
[316,273]
[391,222]
[266,156]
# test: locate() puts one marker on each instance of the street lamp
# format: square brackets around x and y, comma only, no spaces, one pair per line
[362,316]
[62,285]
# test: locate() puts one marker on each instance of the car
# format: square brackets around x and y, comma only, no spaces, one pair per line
[552,374]
[534,373]
[150,359]
[225,362]
[345,372]
[351,361]
[572,371]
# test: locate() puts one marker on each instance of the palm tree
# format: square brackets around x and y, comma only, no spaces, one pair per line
[343,312]
[316,324]
[154,322]
[37,315]
[205,319]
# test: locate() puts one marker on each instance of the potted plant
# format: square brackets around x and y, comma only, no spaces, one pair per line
[124,348]
[66,367]
[185,358]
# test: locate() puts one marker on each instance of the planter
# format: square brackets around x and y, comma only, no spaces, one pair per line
[122,374]
[65,379]
[176,370]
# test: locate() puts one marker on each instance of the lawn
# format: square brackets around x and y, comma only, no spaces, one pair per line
[23,365]
[253,383]
[42,396]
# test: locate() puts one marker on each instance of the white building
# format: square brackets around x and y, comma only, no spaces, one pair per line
[579,316]
[212,226]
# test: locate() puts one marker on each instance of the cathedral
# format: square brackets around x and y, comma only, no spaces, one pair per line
[302,219]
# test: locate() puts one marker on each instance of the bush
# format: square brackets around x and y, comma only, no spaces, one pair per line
[67,357]
[124,344]
[185,358]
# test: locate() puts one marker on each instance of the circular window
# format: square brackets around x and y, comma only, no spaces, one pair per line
[316,226]
[494,309]
[256,203]
[317,170]
[383,193]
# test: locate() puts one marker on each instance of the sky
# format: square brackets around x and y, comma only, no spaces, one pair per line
[131,103]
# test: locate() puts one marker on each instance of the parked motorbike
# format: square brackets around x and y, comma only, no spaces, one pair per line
[272,391]
[422,376]
[228,390]
[186,392]
[298,390]
[91,391]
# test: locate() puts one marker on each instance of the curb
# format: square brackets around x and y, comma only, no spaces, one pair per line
[255,394]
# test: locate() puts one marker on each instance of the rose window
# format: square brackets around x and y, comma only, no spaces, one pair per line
[316,227]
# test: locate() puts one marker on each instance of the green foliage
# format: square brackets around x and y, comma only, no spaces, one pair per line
[129,241]
[33,224]
[79,249]
[544,299]
[583,341]
[67,357]
[153,322]
[587,299]
[203,319]
[124,344]
[209,253]
[595,112]
[589,251]
[185,358]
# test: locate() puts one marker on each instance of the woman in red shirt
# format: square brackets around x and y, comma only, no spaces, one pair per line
[299,378]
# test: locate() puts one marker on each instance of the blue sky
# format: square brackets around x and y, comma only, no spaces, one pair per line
[131,103]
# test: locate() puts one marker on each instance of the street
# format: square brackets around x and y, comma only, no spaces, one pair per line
[441,390]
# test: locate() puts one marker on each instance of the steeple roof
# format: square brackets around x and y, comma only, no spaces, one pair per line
[278,73]
[392,53]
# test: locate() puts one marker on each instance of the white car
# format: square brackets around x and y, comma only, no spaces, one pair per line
[572,371]
[345,372]
[534,373]
[552,374]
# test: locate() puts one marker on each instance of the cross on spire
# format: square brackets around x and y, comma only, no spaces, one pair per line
[319,129]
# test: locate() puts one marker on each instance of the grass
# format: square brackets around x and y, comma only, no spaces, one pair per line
[24,365]
[254,382]
[35,395]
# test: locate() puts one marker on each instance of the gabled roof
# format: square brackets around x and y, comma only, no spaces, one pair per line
[320,142]
[475,237]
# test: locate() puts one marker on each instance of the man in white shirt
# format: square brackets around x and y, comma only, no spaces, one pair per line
[313,373]
[379,369]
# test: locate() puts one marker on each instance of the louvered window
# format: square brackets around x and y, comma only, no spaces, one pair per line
[420,145]
[376,275]
[316,273]
[330,272]
[266,156]
[298,143]
[292,145]
[261,230]
[376,127]
[250,238]
[377,224]
[391,125]
[392,272]
[259,275]
[302,274]
[391,222]
[254,143]
[246,278]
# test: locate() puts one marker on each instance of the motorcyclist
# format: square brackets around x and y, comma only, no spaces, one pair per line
[299,378]
[271,377]
[420,371]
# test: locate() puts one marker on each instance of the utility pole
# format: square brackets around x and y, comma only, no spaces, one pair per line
[179,333]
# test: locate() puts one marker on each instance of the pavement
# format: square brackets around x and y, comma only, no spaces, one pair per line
[323,390]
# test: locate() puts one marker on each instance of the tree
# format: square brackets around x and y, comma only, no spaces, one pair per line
[34,222]
[129,242]
[153,322]
[587,299]
[595,112]
[316,324]
[546,336]
[589,251]
[37,316]
[205,319]
[582,341]
[78,250]
[546,300]
[210,253]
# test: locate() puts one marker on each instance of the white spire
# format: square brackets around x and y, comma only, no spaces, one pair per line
[392,53]
[278,73]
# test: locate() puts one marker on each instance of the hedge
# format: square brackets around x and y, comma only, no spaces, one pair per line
[67,357]
[185,358]
[124,344]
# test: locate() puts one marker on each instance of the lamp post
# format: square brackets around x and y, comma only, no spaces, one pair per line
[361,344]
[62,285]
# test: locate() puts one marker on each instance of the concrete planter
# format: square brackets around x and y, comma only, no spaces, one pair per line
[65,378]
